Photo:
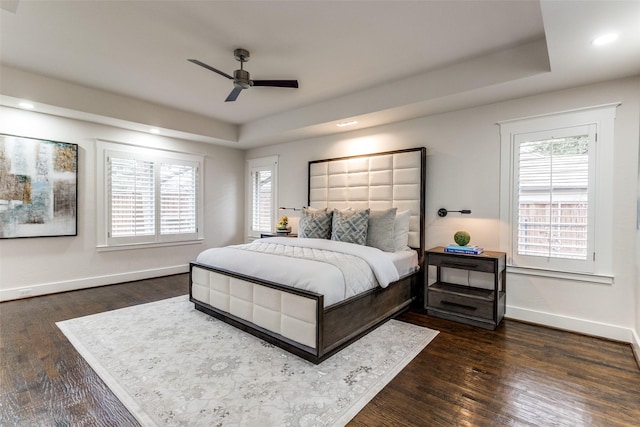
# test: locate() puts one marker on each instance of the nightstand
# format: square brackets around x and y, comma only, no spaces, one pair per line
[466,303]
[276,234]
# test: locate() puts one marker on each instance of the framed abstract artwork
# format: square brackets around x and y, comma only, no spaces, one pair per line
[38,187]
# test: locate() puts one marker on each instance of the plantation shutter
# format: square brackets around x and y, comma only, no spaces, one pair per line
[262,199]
[556,194]
[132,197]
[151,197]
[178,193]
[553,196]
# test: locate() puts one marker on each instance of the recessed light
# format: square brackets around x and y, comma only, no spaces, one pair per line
[27,105]
[605,39]
[154,131]
[349,123]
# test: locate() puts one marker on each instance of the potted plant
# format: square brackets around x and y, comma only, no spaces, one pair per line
[282,224]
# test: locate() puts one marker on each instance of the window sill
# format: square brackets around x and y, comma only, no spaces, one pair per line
[580,277]
[107,248]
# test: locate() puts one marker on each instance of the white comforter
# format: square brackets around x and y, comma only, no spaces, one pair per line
[336,270]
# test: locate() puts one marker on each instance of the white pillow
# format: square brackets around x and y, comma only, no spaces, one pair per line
[401,230]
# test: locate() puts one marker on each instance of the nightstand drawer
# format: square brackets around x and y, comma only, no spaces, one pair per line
[461,304]
[474,263]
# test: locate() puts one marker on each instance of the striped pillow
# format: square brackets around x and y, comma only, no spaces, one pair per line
[315,224]
[350,226]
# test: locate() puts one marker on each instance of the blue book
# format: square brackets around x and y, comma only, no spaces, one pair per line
[470,250]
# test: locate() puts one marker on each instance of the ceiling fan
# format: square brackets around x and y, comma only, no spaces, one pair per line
[241,78]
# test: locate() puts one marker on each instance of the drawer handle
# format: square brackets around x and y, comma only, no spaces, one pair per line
[455,304]
[458,265]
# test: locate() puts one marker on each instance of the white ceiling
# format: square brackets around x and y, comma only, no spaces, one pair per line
[377,61]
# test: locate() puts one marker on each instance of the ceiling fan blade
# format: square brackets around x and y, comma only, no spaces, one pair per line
[208,67]
[234,94]
[276,83]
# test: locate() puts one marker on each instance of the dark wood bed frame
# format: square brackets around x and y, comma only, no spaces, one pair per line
[342,323]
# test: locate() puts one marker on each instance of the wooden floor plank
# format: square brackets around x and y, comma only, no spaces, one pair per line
[518,375]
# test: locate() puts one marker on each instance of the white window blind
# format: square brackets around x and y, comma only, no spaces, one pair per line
[262,197]
[262,200]
[556,203]
[553,197]
[150,196]
[178,207]
[132,194]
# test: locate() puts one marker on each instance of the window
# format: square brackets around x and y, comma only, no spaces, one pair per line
[553,217]
[150,196]
[262,200]
[178,204]
[261,181]
[551,169]
[131,196]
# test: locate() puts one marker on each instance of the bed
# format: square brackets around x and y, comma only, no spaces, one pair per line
[282,290]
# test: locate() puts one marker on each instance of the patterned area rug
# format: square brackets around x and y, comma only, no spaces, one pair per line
[171,365]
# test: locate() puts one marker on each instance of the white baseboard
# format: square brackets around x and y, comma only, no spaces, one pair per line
[88,282]
[572,324]
[635,345]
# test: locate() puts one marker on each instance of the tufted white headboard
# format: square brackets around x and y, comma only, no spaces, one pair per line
[376,181]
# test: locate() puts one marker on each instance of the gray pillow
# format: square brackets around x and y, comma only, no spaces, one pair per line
[381,226]
[315,224]
[350,226]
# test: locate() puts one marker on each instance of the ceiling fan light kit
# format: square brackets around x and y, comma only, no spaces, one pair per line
[242,79]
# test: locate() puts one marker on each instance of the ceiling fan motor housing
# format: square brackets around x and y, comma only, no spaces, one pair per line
[241,79]
[241,55]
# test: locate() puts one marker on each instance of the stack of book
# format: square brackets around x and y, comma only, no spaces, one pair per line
[471,250]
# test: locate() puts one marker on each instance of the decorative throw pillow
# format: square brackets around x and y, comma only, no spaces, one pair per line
[350,226]
[401,230]
[315,224]
[380,233]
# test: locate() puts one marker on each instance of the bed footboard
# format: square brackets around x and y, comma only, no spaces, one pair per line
[271,311]
[294,319]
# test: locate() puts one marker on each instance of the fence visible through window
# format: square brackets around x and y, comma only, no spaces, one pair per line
[553,205]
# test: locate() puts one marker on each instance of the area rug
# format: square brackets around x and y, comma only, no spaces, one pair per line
[171,365]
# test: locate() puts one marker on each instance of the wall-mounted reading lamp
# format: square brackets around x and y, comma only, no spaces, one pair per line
[282,208]
[444,212]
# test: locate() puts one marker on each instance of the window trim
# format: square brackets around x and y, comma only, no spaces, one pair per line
[555,263]
[603,117]
[262,163]
[104,242]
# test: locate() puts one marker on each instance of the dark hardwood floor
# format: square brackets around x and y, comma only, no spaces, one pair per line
[517,375]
